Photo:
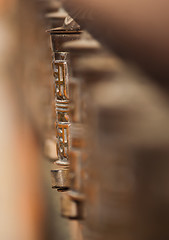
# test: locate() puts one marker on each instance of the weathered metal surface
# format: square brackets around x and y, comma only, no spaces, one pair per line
[61,92]
[60,68]
[61,75]
[60,179]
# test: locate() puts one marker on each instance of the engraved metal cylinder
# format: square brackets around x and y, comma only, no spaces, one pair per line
[62,104]
[61,75]
[60,68]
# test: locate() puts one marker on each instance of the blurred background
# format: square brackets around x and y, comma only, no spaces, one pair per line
[84,113]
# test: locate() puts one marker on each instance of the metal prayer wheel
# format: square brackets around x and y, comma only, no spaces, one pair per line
[60,68]
[62,104]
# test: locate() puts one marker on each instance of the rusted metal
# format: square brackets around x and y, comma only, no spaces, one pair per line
[62,101]
[61,75]
[60,68]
